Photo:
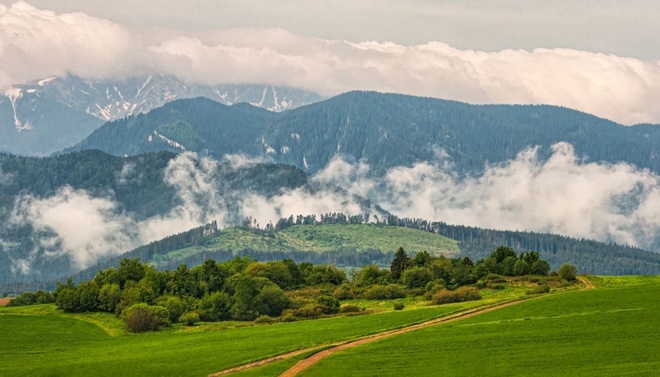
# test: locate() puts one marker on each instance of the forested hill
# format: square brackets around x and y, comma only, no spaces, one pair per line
[369,125]
[349,241]
[199,125]
[91,191]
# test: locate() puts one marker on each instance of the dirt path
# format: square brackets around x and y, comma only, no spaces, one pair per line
[587,284]
[340,346]
[4,301]
[263,362]
[306,363]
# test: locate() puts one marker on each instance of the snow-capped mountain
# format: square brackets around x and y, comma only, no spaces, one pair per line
[48,115]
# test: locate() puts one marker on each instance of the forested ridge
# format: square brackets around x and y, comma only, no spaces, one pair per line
[590,257]
[134,185]
[369,126]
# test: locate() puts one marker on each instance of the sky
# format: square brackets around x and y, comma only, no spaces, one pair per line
[624,28]
[601,57]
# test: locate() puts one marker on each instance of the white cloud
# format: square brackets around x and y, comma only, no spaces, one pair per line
[37,43]
[84,227]
[562,195]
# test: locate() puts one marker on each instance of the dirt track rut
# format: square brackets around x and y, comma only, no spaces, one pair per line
[338,347]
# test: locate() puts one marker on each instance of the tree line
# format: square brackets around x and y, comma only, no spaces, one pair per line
[244,289]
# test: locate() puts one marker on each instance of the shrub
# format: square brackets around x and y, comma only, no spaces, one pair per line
[567,272]
[109,297]
[189,318]
[330,304]
[381,292]
[349,309]
[288,316]
[264,319]
[417,277]
[399,306]
[344,292]
[142,317]
[543,288]
[310,311]
[175,307]
[460,295]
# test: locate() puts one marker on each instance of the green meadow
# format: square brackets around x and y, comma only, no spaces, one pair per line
[613,330]
[324,237]
[40,341]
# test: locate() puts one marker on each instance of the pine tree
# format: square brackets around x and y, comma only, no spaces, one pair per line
[399,264]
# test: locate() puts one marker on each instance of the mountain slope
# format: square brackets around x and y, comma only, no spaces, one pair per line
[64,213]
[389,130]
[359,244]
[199,125]
[70,108]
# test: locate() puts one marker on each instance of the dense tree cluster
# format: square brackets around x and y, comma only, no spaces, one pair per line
[246,290]
[591,257]
[426,271]
[239,289]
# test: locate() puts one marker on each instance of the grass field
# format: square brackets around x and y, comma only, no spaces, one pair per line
[326,237]
[611,331]
[40,341]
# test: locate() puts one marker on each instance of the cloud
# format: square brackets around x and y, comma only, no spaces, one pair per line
[74,223]
[563,195]
[87,228]
[37,43]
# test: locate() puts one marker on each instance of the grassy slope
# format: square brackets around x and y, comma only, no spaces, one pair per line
[610,331]
[41,341]
[328,237]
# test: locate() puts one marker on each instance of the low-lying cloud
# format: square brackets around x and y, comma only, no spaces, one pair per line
[36,43]
[86,228]
[563,195]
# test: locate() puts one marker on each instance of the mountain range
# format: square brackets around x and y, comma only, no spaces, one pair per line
[385,130]
[48,115]
[128,182]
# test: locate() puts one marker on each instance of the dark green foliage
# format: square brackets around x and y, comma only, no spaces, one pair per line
[330,304]
[399,264]
[174,306]
[567,271]
[382,292]
[142,317]
[29,298]
[417,277]
[591,257]
[277,272]
[215,306]
[503,252]
[460,295]
[399,306]
[189,318]
[324,275]
[272,300]
[371,274]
